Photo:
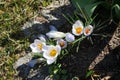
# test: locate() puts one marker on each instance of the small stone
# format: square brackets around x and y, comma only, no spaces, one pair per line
[23,60]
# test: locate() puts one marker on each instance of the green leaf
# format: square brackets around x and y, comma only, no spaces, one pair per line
[89,9]
[55,71]
[116,2]
[64,77]
[79,39]
[117,10]
[87,6]
[67,18]
[37,55]
[59,65]
[89,73]
[75,78]
[64,71]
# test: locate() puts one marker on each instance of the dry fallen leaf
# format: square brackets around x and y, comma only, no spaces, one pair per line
[1,12]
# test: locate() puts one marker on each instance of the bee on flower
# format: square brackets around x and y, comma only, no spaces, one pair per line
[51,53]
[37,46]
[62,43]
[88,30]
[77,28]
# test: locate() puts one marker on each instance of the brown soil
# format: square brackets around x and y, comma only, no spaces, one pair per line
[103,56]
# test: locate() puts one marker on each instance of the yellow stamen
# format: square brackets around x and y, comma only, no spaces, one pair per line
[40,46]
[87,30]
[78,30]
[61,43]
[53,52]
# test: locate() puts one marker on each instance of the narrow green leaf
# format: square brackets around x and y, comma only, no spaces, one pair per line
[67,18]
[55,71]
[80,39]
[38,55]
[64,71]
[89,73]
[71,17]
[75,13]
[117,10]
[87,7]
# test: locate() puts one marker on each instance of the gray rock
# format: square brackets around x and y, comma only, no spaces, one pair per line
[51,15]
[25,67]
[33,29]
[53,12]
[23,60]
[39,74]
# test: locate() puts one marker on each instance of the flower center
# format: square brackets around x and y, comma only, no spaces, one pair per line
[61,43]
[78,30]
[53,52]
[40,46]
[87,30]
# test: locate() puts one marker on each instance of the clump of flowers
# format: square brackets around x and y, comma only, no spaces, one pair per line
[54,42]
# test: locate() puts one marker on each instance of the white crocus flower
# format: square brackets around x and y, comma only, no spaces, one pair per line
[62,43]
[88,30]
[51,52]
[56,34]
[69,37]
[77,28]
[37,46]
[53,33]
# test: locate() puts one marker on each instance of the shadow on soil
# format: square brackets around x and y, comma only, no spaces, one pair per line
[110,65]
[31,30]
[78,62]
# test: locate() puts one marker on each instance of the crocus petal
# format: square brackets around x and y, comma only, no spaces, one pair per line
[37,46]
[45,47]
[47,56]
[77,28]
[74,26]
[79,23]
[37,41]
[50,61]
[34,48]
[69,37]
[46,53]
[42,38]
[90,27]
[55,34]
[58,48]
[52,28]
[64,45]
